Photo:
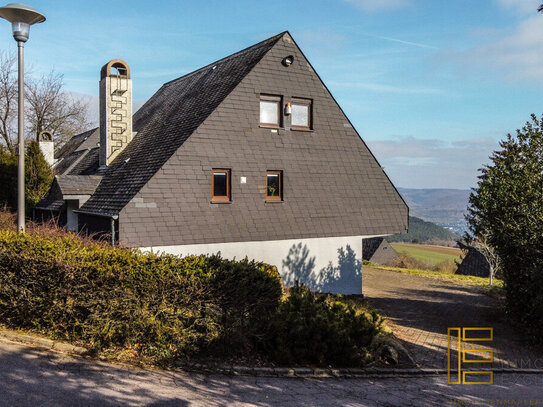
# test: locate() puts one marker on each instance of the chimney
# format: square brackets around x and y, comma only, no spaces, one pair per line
[47,146]
[115,110]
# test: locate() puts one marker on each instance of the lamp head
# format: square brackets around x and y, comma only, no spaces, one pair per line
[21,18]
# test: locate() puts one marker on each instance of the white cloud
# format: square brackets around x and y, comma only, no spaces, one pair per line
[430,163]
[520,6]
[372,6]
[518,55]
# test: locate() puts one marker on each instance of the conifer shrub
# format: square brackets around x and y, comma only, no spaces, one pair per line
[322,330]
[104,297]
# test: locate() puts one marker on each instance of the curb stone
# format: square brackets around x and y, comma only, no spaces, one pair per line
[49,344]
[286,372]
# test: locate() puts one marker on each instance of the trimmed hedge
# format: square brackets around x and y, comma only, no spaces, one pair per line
[167,307]
[164,306]
[319,329]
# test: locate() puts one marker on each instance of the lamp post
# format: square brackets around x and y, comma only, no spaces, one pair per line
[21,18]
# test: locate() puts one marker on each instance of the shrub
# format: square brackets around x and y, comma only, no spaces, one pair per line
[7,219]
[165,307]
[101,296]
[320,330]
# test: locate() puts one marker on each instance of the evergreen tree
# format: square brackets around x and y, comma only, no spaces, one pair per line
[38,175]
[8,179]
[507,207]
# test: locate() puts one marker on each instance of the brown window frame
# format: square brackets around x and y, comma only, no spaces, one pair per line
[278,198]
[276,99]
[309,104]
[228,197]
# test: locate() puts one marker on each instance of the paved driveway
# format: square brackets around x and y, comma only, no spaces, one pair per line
[421,309]
[30,378]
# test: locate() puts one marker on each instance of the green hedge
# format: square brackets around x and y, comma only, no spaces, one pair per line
[319,329]
[164,306]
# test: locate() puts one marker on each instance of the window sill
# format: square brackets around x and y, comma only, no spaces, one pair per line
[301,130]
[220,202]
[274,202]
[269,126]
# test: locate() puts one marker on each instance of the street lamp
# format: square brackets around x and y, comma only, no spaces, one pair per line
[21,18]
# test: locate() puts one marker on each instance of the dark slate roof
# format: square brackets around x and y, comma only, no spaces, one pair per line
[369,246]
[77,170]
[78,184]
[79,155]
[65,164]
[68,185]
[73,144]
[53,200]
[166,121]
[474,264]
[89,164]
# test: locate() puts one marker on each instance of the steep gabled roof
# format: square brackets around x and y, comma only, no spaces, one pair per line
[77,184]
[370,246]
[474,264]
[166,121]
[65,185]
[79,155]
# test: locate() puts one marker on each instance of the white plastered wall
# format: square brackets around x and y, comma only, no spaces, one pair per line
[302,259]
[47,148]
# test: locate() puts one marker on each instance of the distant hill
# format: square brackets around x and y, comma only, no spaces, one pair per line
[444,207]
[422,231]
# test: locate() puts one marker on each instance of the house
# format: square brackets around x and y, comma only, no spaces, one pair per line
[248,156]
[474,264]
[377,250]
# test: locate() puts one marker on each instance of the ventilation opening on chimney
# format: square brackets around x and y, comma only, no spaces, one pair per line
[45,136]
[118,69]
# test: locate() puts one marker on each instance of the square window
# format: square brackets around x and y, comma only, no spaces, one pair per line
[301,114]
[270,111]
[220,185]
[274,186]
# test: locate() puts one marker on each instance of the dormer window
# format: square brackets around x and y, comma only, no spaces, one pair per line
[270,111]
[301,114]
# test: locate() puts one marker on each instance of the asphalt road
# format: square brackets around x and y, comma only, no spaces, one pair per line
[33,377]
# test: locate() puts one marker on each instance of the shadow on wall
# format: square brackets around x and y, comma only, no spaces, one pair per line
[345,278]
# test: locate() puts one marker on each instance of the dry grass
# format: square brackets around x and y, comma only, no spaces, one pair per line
[8,221]
[452,251]
[447,266]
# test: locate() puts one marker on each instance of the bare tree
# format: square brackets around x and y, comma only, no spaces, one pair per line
[8,100]
[50,108]
[540,8]
[47,107]
[482,245]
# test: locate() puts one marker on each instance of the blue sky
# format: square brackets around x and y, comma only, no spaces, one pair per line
[431,85]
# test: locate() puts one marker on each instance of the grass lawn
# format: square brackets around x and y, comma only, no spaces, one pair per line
[428,254]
